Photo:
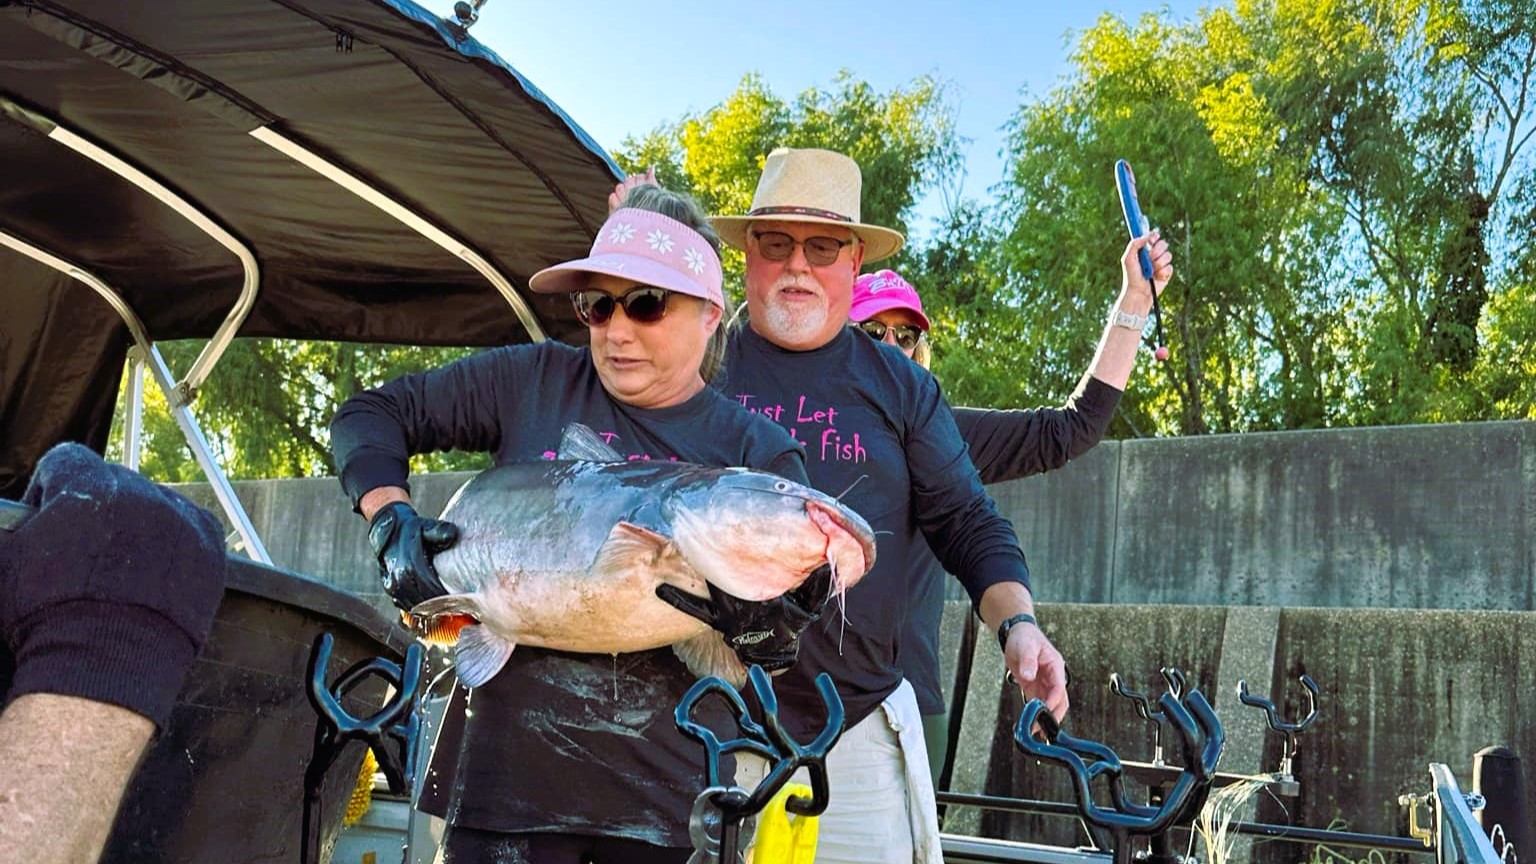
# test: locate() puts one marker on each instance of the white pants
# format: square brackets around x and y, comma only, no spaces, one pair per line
[882,809]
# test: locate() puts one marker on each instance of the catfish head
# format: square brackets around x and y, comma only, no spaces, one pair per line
[757,536]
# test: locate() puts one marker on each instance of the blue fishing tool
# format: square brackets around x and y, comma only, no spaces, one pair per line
[1136,224]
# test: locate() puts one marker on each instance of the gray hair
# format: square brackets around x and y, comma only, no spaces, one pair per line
[676,205]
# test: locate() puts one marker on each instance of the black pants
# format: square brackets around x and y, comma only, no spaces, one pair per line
[472,846]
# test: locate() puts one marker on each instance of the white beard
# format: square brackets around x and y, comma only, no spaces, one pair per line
[792,324]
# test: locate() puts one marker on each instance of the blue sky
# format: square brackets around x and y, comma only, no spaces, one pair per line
[623,68]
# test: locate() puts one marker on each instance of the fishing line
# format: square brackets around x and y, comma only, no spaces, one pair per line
[1217,815]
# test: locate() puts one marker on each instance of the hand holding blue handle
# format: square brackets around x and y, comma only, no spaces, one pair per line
[1135,221]
[1136,224]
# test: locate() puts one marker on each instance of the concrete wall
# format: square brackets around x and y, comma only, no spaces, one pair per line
[1414,516]
[1400,689]
[308,525]
[1439,517]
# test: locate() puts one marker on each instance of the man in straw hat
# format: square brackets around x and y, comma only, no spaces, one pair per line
[876,428]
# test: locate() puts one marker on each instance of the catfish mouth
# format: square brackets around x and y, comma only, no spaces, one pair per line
[843,522]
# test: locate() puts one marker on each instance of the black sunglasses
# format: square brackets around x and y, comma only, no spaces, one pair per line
[642,305]
[778,246]
[907,335]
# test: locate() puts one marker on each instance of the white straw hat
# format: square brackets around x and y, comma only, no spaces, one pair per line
[819,186]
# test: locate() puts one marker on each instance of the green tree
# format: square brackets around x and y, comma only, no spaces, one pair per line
[266,409]
[1333,177]
[1415,116]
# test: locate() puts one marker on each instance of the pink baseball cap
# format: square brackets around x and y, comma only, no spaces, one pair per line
[647,247]
[876,292]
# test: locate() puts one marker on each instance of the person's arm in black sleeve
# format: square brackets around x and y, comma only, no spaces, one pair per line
[973,541]
[374,434]
[790,465]
[456,407]
[1006,444]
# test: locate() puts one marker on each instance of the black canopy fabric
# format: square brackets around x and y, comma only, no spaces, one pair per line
[382,88]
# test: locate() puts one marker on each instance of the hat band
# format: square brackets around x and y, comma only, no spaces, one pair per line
[798,211]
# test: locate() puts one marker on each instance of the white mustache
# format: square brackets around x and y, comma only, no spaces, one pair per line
[803,284]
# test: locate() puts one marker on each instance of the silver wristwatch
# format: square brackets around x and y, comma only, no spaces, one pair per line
[1122,318]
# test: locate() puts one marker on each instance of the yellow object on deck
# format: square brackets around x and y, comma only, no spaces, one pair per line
[784,837]
[362,793]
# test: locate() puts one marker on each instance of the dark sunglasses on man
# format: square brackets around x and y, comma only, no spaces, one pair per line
[643,304]
[907,335]
[819,251]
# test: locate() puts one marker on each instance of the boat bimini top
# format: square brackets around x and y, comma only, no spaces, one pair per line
[353,170]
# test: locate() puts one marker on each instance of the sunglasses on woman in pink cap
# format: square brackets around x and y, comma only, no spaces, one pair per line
[883,291]
[907,335]
[643,304]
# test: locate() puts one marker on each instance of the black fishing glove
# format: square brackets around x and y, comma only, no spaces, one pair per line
[765,633]
[405,543]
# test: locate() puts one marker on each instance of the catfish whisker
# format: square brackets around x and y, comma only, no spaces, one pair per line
[839,497]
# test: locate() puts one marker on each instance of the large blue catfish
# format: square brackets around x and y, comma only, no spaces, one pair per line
[567,554]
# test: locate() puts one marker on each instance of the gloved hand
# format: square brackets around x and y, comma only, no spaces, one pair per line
[767,632]
[405,543]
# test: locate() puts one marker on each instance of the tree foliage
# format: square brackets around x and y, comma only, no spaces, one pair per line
[1334,178]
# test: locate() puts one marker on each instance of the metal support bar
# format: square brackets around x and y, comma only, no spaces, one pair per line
[1010,805]
[959,849]
[359,187]
[1298,834]
[1459,839]
[133,417]
[179,409]
[203,365]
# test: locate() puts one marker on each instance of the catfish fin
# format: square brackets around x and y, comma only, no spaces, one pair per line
[707,654]
[479,655]
[579,443]
[628,545]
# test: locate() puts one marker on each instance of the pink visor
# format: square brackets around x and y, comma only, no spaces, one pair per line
[876,292]
[645,247]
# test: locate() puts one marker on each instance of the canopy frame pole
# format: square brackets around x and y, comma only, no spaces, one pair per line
[406,216]
[133,417]
[180,408]
[188,386]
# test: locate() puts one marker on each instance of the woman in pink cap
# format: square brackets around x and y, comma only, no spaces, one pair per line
[566,758]
[1004,444]
[886,307]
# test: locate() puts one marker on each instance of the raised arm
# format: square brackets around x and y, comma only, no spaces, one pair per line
[1116,355]
[1006,444]
[1013,443]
